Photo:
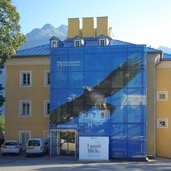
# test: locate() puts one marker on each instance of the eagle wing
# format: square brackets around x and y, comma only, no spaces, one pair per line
[115,81]
[120,77]
[70,109]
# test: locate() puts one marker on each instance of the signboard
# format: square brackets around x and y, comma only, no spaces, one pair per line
[94,148]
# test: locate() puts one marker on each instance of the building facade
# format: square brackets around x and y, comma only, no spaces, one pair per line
[102,98]
[27,102]
[163,118]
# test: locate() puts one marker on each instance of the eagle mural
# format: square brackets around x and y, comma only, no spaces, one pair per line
[96,96]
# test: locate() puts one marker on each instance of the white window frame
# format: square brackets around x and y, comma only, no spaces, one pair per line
[46,73]
[21,109]
[165,125]
[21,79]
[24,132]
[104,42]
[46,114]
[54,43]
[84,115]
[77,43]
[45,133]
[164,93]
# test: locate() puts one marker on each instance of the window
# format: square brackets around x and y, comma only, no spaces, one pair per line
[84,115]
[46,108]
[102,115]
[102,42]
[35,143]
[54,43]
[162,123]
[46,78]
[24,136]
[25,108]
[162,95]
[77,43]
[25,78]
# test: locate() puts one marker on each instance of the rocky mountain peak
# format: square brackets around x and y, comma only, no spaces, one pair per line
[41,36]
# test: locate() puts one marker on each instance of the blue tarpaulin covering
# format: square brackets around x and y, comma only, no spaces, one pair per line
[101,91]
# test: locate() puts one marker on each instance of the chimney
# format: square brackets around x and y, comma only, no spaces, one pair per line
[73,27]
[88,27]
[102,26]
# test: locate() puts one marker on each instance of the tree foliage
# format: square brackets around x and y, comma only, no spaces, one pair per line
[10,36]
[2,123]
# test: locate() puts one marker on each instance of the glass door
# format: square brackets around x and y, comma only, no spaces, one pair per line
[67,143]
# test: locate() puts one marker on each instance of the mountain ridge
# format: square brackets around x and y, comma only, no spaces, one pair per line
[41,36]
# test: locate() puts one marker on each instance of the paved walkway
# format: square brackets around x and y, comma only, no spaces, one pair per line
[21,163]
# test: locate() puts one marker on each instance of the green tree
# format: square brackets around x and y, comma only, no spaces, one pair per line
[10,36]
[2,123]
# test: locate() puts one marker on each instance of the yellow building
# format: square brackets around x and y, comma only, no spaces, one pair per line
[27,97]
[28,81]
[163,109]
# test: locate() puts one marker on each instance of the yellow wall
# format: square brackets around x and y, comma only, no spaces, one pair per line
[163,109]
[37,123]
[152,60]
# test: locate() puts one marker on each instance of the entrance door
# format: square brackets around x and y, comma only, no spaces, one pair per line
[67,143]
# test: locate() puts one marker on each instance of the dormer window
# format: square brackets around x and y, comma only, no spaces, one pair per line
[102,42]
[77,43]
[54,43]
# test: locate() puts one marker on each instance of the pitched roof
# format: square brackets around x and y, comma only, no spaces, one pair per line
[166,56]
[39,50]
[44,50]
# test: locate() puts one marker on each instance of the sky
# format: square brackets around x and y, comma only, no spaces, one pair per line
[136,21]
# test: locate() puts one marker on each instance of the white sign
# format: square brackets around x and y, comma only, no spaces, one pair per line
[94,148]
[68,63]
